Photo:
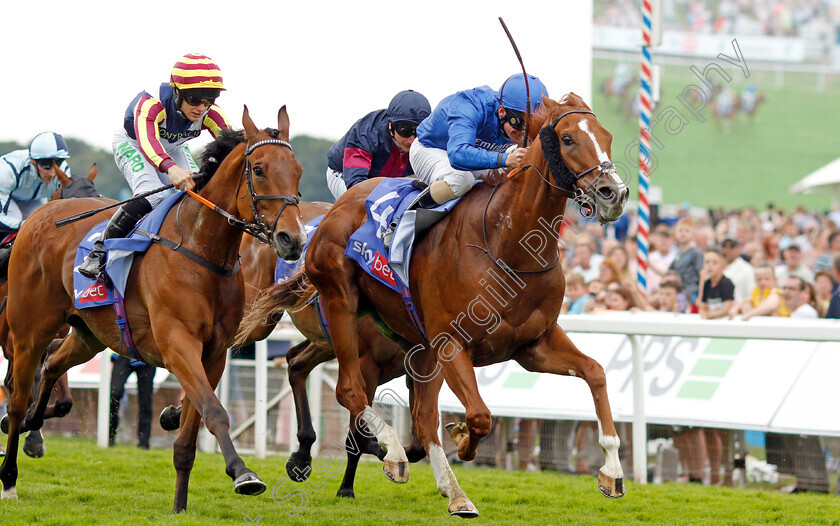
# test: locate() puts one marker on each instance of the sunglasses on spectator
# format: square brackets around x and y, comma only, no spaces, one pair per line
[197,100]
[404,128]
[46,164]
[514,118]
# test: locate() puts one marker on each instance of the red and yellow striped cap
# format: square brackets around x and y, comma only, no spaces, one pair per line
[196,71]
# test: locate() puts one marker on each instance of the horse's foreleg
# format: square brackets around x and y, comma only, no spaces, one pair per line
[183,453]
[185,362]
[460,377]
[556,354]
[424,413]
[302,359]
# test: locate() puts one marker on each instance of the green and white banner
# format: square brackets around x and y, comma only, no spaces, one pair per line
[768,385]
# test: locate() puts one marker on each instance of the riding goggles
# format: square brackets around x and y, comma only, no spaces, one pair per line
[516,119]
[196,97]
[405,128]
[46,164]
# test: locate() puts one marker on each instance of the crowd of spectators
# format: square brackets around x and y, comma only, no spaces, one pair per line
[736,264]
[814,19]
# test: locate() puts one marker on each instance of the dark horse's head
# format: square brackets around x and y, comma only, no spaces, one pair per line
[577,150]
[268,190]
[71,187]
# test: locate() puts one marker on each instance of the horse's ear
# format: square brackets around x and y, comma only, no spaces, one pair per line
[283,122]
[251,130]
[93,172]
[62,177]
[576,100]
[549,105]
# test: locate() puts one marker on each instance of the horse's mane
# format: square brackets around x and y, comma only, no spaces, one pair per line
[215,152]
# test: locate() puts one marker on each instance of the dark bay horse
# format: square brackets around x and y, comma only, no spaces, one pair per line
[183,308]
[487,286]
[71,187]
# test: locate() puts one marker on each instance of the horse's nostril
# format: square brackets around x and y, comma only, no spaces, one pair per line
[284,239]
[606,193]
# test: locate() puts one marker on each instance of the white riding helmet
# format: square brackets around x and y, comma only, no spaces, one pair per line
[48,145]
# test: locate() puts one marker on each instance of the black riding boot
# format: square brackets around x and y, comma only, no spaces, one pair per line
[119,226]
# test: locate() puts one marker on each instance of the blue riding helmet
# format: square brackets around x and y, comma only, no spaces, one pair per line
[48,145]
[409,106]
[513,94]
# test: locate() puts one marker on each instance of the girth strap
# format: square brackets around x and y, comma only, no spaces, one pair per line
[177,247]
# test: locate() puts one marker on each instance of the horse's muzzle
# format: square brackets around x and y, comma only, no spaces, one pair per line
[288,246]
[610,200]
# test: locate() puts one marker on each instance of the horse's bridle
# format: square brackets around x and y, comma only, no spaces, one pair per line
[262,232]
[566,184]
[566,179]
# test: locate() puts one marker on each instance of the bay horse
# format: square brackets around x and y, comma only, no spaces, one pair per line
[183,311]
[71,187]
[381,359]
[515,226]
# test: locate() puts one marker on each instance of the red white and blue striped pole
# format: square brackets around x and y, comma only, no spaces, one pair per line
[645,108]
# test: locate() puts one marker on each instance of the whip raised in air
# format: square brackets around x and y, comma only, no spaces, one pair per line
[527,85]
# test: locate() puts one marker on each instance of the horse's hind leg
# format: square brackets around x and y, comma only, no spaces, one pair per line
[556,354]
[341,310]
[80,346]
[301,359]
[27,360]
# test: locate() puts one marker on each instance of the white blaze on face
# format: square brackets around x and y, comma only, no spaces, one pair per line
[583,124]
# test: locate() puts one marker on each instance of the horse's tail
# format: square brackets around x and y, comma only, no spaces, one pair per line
[291,295]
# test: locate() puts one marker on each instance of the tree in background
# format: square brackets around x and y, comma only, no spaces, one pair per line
[310,152]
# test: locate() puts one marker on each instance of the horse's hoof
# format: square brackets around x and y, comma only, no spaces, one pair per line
[4,424]
[610,487]
[346,493]
[396,471]
[299,466]
[170,418]
[458,432]
[463,508]
[10,493]
[248,484]
[34,447]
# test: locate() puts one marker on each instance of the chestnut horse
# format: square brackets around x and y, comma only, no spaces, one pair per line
[183,311]
[381,359]
[71,187]
[451,281]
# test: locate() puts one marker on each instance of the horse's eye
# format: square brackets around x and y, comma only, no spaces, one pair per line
[568,140]
[258,171]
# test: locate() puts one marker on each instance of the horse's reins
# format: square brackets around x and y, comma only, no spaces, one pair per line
[564,176]
[258,229]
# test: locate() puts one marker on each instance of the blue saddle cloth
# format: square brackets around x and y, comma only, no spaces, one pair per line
[387,203]
[92,293]
[284,268]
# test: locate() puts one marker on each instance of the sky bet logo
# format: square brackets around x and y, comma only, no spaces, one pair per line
[95,292]
[376,262]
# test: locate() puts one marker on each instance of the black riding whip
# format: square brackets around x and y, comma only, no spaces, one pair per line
[527,84]
[83,215]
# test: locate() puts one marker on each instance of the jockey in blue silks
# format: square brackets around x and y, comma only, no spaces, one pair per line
[470,133]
